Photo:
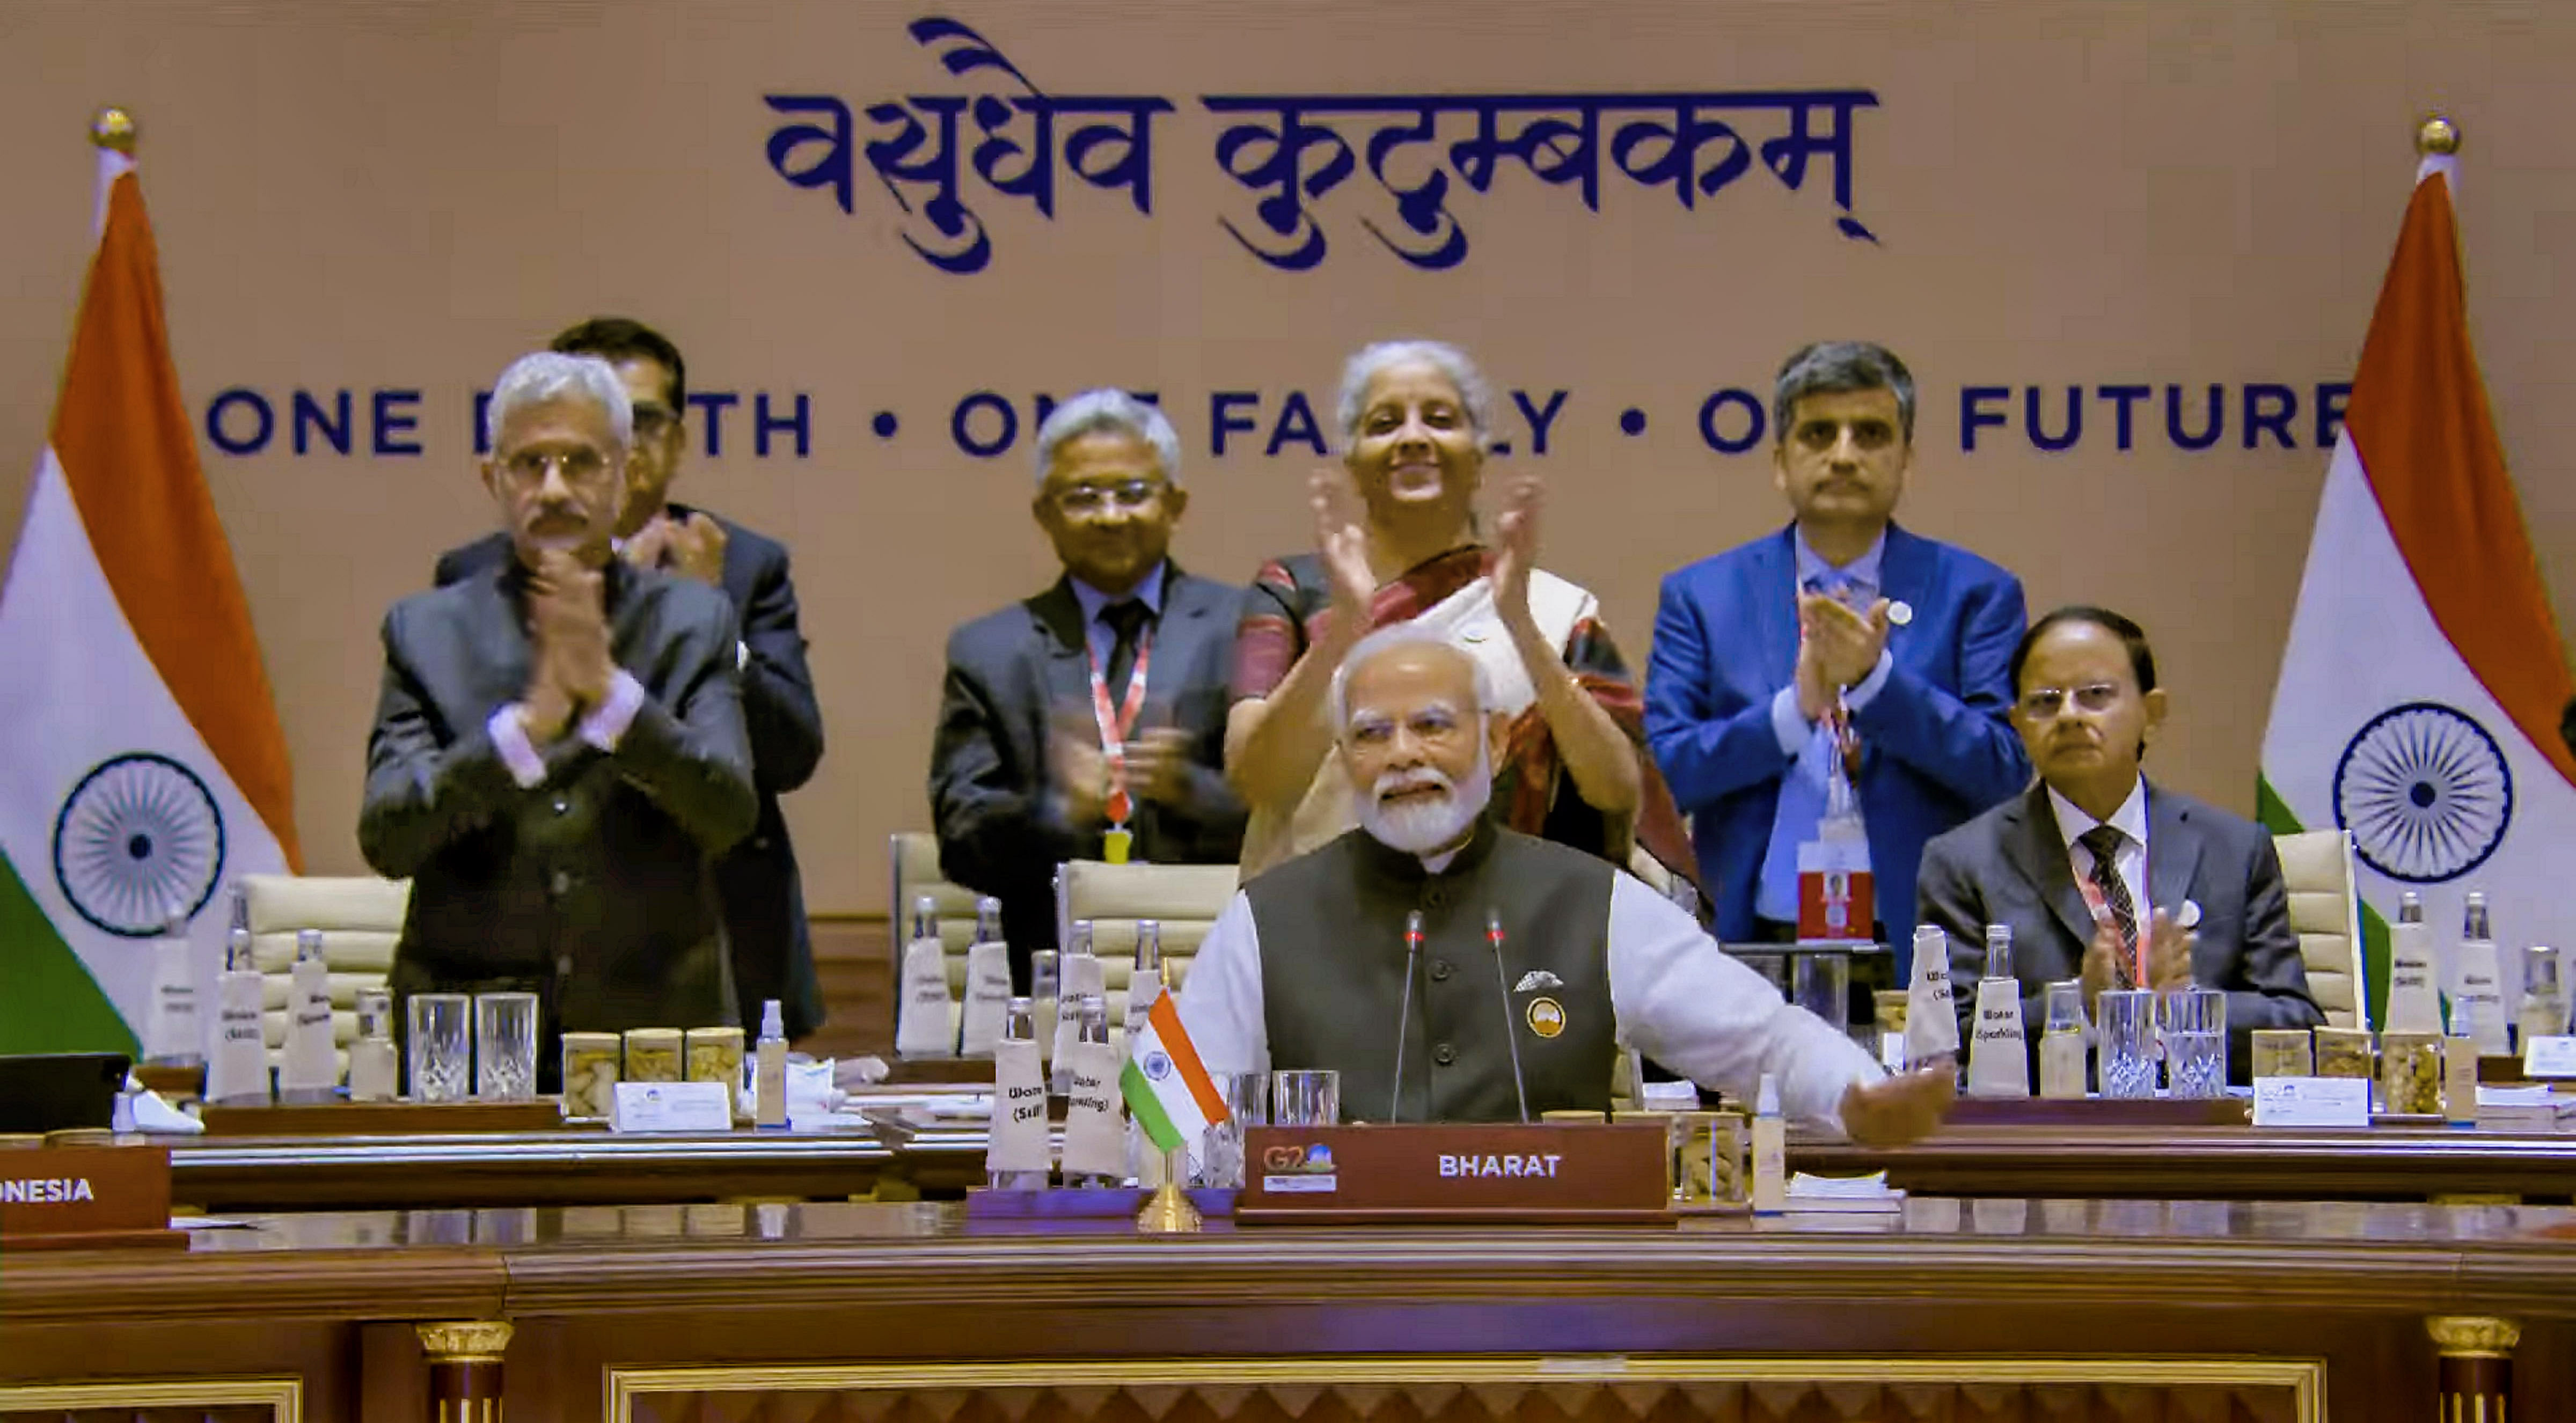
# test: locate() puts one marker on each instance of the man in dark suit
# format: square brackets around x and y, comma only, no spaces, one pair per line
[764,903]
[558,755]
[1841,636]
[2102,876]
[1097,706]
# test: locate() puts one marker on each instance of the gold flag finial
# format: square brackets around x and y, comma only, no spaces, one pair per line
[2437,134]
[113,128]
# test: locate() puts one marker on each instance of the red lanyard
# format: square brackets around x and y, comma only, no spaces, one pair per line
[1116,725]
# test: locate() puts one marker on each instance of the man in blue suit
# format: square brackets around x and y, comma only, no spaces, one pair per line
[1840,635]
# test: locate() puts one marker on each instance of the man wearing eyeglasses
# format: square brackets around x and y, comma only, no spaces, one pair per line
[2103,876]
[1088,720]
[764,900]
[1842,638]
[559,754]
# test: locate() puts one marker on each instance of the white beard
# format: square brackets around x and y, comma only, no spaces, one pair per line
[1423,827]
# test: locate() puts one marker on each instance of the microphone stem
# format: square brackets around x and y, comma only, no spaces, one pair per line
[1404,1012]
[1502,985]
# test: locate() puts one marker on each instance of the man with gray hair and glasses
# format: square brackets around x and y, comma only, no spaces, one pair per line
[1839,641]
[558,754]
[1088,720]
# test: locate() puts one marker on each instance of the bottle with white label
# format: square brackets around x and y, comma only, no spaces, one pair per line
[988,982]
[926,1023]
[172,1035]
[237,1068]
[1083,977]
[1999,1056]
[1095,1151]
[1770,1149]
[374,1066]
[1931,1016]
[2543,1010]
[310,1069]
[1015,1153]
[769,1068]
[2477,996]
[1045,988]
[2414,980]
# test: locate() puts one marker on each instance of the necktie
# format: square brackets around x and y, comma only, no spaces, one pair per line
[1127,620]
[2104,841]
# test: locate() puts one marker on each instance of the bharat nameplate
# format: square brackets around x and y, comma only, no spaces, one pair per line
[1553,1171]
[86,1198]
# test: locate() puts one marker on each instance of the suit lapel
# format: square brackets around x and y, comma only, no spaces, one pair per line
[2035,845]
[1189,615]
[1773,569]
[2173,851]
[1062,651]
[1904,576]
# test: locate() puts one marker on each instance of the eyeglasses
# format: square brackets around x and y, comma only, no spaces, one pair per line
[2042,703]
[580,466]
[1092,498]
[653,421]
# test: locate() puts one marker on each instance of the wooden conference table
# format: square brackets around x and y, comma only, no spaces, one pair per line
[575,1167]
[1998,1308]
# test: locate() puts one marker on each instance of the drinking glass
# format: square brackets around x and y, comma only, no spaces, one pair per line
[1310,1098]
[2195,1024]
[2127,1053]
[440,1047]
[505,1046]
[1247,1102]
[1823,987]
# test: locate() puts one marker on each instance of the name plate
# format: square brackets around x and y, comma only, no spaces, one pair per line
[1554,1171]
[671,1106]
[86,1197]
[2312,1101]
[2544,1059]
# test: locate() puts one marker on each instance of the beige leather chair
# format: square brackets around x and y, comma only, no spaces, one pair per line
[1185,898]
[361,918]
[2316,865]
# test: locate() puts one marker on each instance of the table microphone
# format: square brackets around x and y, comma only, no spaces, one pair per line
[1494,937]
[1404,1013]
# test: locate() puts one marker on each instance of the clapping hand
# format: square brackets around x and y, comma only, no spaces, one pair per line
[1342,539]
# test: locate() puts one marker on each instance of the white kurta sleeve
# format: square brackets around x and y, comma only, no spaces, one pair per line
[1220,999]
[1691,1006]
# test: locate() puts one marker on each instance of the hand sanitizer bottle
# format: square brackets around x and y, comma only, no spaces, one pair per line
[769,1068]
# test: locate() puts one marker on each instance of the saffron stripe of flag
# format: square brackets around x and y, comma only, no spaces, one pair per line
[1164,1083]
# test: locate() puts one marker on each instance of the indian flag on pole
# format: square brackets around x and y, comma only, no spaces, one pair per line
[2420,695]
[141,764]
[1164,1084]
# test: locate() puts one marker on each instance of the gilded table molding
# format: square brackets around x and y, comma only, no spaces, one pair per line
[283,1397]
[2305,1379]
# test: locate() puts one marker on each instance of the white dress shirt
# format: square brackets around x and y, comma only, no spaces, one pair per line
[2131,862]
[1678,998]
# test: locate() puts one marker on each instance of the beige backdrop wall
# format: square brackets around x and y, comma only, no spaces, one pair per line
[365,198]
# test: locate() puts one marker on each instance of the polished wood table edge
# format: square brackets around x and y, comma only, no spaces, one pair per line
[129,1287]
[1297,1264]
[1824,1261]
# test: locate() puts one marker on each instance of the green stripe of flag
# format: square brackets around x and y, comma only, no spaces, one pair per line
[1148,1107]
[48,1001]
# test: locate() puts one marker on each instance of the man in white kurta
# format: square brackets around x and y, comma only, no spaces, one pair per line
[1312,965]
